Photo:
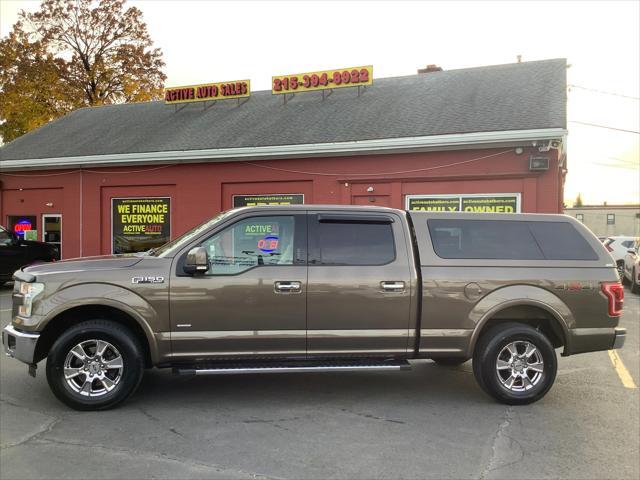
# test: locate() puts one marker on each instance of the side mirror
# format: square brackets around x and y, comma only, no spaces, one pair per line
[197,261]
[631,251]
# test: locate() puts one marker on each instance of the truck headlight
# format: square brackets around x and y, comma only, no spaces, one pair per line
[29,292]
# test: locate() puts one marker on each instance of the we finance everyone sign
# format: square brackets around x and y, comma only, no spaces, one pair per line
[139,224]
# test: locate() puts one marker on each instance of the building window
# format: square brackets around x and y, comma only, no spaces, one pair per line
[611,218]
[580,217]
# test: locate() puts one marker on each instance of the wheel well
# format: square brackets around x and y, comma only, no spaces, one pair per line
[76,315]
[538,318]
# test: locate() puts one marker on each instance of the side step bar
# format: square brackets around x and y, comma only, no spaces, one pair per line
[294,368]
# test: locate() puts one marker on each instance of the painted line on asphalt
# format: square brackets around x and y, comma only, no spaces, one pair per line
[5,310]
[621,370]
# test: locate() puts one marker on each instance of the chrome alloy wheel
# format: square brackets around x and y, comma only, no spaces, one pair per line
[93,368]
[519,366]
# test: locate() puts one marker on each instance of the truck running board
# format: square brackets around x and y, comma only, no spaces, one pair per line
[291,367]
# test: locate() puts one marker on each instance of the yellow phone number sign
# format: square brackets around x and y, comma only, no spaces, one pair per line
[207,92]
[323,80]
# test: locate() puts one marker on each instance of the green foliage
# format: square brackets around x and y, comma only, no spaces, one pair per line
[71,54]
[578,202]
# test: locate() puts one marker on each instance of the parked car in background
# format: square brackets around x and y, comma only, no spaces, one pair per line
[618,247]
[631,271]
[16,253]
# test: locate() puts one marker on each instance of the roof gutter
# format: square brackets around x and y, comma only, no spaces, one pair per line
[509,138]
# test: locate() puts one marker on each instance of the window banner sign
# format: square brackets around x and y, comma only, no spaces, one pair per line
[269,199]
[139,224]
[490,204]
[481,203]
[433,204]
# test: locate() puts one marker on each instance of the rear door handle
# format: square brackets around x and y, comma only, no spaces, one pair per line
[287,287]
[392,286]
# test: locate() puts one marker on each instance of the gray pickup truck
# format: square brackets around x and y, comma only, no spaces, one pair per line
[324,288]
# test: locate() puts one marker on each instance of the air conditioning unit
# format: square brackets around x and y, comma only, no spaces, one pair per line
[538,163]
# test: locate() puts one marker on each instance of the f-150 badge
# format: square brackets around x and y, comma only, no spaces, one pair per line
[147,280]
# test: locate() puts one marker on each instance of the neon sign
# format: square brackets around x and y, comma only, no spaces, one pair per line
[268,244]
[22,226]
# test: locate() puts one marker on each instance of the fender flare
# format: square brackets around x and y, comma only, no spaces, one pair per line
[119,298]
[521,295]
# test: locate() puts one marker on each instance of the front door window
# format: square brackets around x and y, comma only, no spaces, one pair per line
[252,242]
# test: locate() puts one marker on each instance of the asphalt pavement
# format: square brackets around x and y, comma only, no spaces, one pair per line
[430,422]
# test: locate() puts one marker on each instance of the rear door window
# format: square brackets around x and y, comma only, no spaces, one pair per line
[511,240]
[349,242]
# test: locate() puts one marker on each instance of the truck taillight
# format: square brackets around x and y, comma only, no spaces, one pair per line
[615,294]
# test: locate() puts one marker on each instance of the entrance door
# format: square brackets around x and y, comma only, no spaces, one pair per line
[359,285]
[52,231]
[252,300]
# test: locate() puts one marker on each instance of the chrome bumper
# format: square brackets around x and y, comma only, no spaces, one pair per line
[19,345]
[619,338]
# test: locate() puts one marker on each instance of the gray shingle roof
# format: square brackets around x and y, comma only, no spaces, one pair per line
[530,95]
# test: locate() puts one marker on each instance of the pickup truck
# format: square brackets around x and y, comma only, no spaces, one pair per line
[309,288]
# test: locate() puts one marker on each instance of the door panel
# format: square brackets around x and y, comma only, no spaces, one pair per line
[358,309]
[252,301]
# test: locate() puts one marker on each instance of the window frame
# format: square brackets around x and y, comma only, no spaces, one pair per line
[299,243]
[611,218]
[346,218]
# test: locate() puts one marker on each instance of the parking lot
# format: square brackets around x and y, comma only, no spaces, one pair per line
[430,422]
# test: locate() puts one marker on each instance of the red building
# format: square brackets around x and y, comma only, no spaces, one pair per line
[121,177]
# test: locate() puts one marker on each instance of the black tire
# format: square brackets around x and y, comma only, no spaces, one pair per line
[493,344]
[126,347]
[450,361]
[635,286]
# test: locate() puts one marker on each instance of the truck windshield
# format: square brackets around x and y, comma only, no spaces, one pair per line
[169,248]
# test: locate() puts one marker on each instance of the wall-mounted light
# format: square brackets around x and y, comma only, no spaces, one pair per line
[369,189]
[519,150]
[49,204]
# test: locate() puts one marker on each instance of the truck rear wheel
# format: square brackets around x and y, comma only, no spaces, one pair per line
[95,365]
[515,363]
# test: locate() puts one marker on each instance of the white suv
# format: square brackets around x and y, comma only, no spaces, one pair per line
[618,247]
[631,271]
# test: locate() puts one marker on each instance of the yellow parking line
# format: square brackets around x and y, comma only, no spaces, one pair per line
[622,371]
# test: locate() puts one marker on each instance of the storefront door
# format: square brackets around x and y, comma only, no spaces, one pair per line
[52,231]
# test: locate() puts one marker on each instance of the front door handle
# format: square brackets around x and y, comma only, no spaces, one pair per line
[392,286]
[287,287]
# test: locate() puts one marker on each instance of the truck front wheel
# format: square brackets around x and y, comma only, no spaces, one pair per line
[515,363]
[95,365]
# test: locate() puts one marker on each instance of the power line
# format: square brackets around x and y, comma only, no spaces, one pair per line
[603,92]
[604,126]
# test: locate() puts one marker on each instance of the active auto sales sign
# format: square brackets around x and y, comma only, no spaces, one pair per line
[207,92]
